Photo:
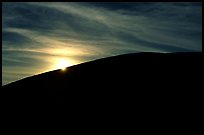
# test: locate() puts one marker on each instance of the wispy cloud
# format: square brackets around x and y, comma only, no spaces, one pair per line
[35,34]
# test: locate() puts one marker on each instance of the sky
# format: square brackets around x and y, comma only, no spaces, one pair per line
[42,36]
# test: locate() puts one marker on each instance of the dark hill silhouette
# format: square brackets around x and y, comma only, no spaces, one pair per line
[140,79]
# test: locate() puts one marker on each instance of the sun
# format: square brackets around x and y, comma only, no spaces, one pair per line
[62,64]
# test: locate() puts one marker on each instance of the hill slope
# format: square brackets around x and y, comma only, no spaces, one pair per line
[146,78]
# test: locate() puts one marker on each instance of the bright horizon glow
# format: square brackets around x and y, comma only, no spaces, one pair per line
[62,64]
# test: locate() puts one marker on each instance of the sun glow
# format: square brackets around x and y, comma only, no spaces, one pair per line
[62,64]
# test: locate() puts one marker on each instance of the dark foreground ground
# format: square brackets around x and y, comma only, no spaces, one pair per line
[142,80]
[145,92]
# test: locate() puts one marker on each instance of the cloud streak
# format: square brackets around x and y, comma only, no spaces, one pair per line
[36,34]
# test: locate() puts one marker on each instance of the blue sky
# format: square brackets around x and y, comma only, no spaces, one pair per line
[37,36]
